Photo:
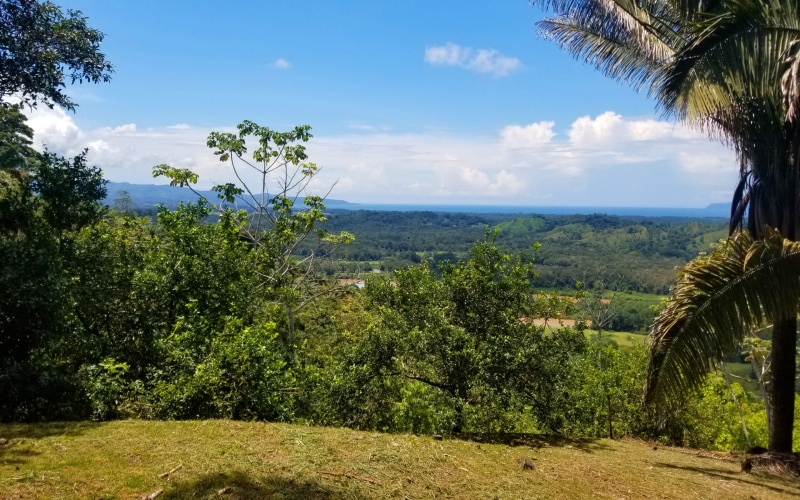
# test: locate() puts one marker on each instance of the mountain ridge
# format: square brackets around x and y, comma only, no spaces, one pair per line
[145,196]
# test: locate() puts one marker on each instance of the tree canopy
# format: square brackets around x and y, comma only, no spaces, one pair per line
[42,49]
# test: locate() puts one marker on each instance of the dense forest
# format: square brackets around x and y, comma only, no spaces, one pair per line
[641,253]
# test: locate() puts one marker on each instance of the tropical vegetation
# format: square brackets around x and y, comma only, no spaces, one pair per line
[730,69]
[234,307]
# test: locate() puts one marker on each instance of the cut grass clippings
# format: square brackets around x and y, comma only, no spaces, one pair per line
[227,459]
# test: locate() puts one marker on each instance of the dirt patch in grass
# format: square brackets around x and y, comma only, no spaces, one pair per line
[225,459]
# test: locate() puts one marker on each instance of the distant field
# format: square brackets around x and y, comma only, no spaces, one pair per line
[625,340]
[251,460]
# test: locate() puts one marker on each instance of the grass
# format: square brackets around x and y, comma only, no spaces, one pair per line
[210,459]
[625,340]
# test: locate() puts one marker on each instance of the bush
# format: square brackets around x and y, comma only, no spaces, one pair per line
[241,374]
[423,410]
[246,376]
[105,386]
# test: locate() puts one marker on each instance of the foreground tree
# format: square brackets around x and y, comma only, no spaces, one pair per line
[274,214]
[466,336]
[719,66]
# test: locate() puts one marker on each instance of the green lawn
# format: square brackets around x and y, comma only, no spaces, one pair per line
[226,459]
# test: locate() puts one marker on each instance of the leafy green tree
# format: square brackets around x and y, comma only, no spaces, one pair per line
[16,160]
[466,335]
[713,419]
[44,209]
[268,215]
[69,192]
[42,48]
[607,394]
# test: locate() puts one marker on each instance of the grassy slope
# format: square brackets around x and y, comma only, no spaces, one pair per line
[260,460]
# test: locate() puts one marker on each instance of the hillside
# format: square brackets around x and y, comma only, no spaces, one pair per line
[641,253]
[210,459]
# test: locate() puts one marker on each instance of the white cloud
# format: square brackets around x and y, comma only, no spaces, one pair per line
[600,131]
[364,127]
[703,163]
[529,135]
[480,61]
[281,63]
[53,127]
[125,129]
[602,161]
[611,128]
[503,183]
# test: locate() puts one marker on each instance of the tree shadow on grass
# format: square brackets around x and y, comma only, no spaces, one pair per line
[43,430]
[536,440]
[13,452]
[239,485]
[793,487]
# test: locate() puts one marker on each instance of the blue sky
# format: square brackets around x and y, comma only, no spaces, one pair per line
[410,102]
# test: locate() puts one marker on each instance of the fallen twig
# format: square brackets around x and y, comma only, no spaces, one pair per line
[728,457]
[167,474]
[153,495]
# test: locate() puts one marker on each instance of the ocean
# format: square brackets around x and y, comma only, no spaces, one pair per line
[715,210]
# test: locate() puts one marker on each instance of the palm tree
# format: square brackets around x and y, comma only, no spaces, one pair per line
[717,65]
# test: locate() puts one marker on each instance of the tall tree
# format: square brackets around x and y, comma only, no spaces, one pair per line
[41,48]
[728,81]
[275,213]
[719,66]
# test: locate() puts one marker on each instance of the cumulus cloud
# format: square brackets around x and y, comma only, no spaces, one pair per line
[503,183]
[125,152]
[529,135]
[281,63]
[128,128]
[54,127]
[481,61]
[610,128]
[606,160]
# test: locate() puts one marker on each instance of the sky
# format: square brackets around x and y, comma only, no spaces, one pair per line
[417,102]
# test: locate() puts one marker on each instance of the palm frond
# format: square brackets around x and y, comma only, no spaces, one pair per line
[644,26]
[733,57]
[718,300]
[612,56]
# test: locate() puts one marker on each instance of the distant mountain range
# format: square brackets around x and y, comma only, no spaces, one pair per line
[144,196]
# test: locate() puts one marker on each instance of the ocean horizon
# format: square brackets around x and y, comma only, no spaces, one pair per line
[714,210]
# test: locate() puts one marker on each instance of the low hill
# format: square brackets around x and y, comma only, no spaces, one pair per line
[147,196]
[226,459]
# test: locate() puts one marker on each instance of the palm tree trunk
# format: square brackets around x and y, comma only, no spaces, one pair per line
[781,386]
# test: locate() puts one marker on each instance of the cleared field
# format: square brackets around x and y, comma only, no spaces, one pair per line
[226,459]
